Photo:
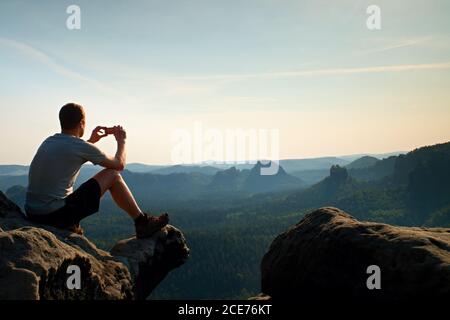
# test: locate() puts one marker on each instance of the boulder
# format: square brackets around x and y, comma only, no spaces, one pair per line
[150,261]
[330,254]
[34,261]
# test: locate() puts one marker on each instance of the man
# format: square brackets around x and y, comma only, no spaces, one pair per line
[50,197]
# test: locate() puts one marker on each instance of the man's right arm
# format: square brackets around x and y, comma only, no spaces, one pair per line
[117,162]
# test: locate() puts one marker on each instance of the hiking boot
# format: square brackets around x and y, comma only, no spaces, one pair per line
[75,228]
[146,225]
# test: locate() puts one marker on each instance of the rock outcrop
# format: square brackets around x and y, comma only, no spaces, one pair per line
[327,255]
[34,261]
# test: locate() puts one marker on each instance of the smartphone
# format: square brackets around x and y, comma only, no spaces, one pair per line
[109,130]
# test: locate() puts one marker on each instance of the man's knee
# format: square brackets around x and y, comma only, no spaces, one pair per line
[114,174]
[107,177]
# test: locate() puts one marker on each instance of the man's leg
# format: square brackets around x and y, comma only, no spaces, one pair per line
[145,225]
[111,180]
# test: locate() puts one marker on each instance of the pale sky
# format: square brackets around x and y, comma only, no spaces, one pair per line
[310,69]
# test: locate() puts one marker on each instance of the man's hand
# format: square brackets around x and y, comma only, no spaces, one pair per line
[119,161]
[120,134]
[98,133]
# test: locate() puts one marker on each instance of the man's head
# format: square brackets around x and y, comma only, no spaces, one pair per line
[72,119]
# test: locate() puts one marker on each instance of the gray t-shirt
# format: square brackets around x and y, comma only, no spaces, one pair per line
[54,170]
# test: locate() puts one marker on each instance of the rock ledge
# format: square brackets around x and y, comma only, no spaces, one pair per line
[34,260]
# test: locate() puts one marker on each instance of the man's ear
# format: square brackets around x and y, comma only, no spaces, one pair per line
[82,127]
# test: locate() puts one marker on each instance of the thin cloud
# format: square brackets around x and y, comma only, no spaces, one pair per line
[44,59]
[325,72]
[397,45]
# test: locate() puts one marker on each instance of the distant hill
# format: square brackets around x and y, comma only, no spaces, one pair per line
[425,156]
[143,168]
[183,186]
[292,165]
[363,168]
[313,170]
[366,168]
[13,170]
[363,162]
[379,170]
[7,181]
[19,176]
[379,156]
[399,167]
[336,185]
[251,181]
[173,187]
[311,177]
[255,182]
[208,170]
[229,180]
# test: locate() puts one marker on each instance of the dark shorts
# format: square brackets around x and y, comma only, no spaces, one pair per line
[82,203]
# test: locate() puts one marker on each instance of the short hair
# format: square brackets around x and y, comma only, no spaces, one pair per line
[71,115]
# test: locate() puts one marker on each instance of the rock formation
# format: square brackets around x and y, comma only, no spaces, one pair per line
[34,260]
[327,255]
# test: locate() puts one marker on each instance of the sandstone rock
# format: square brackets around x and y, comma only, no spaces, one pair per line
[326,255]
[34,260]
[150,261]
